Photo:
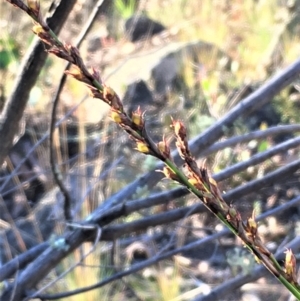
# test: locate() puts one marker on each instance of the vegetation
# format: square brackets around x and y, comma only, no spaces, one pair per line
[89,216]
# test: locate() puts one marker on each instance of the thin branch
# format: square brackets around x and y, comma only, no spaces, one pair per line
[232,170]
[71,268]
[253,102]
[19,262]
[258,158]
[269,179]
[269,132]
[134,269]
[115,231]
[55,171]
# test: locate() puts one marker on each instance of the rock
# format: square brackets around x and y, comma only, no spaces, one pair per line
[138,95]
[167,74]
[140,27]
[164,65]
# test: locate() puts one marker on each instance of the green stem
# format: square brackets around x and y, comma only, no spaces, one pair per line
[291,287]
[184,180]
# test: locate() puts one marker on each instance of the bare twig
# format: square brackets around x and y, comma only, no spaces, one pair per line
[230,171]
[55,171]
[274,176]
[135,268]
[22,260]
[258,158]
[67,271]
[272,131]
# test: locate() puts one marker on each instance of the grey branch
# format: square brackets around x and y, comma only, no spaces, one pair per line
[236,282]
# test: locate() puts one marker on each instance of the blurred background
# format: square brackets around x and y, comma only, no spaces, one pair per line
[192,60]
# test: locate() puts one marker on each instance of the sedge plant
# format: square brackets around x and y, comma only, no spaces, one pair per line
[195,178]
